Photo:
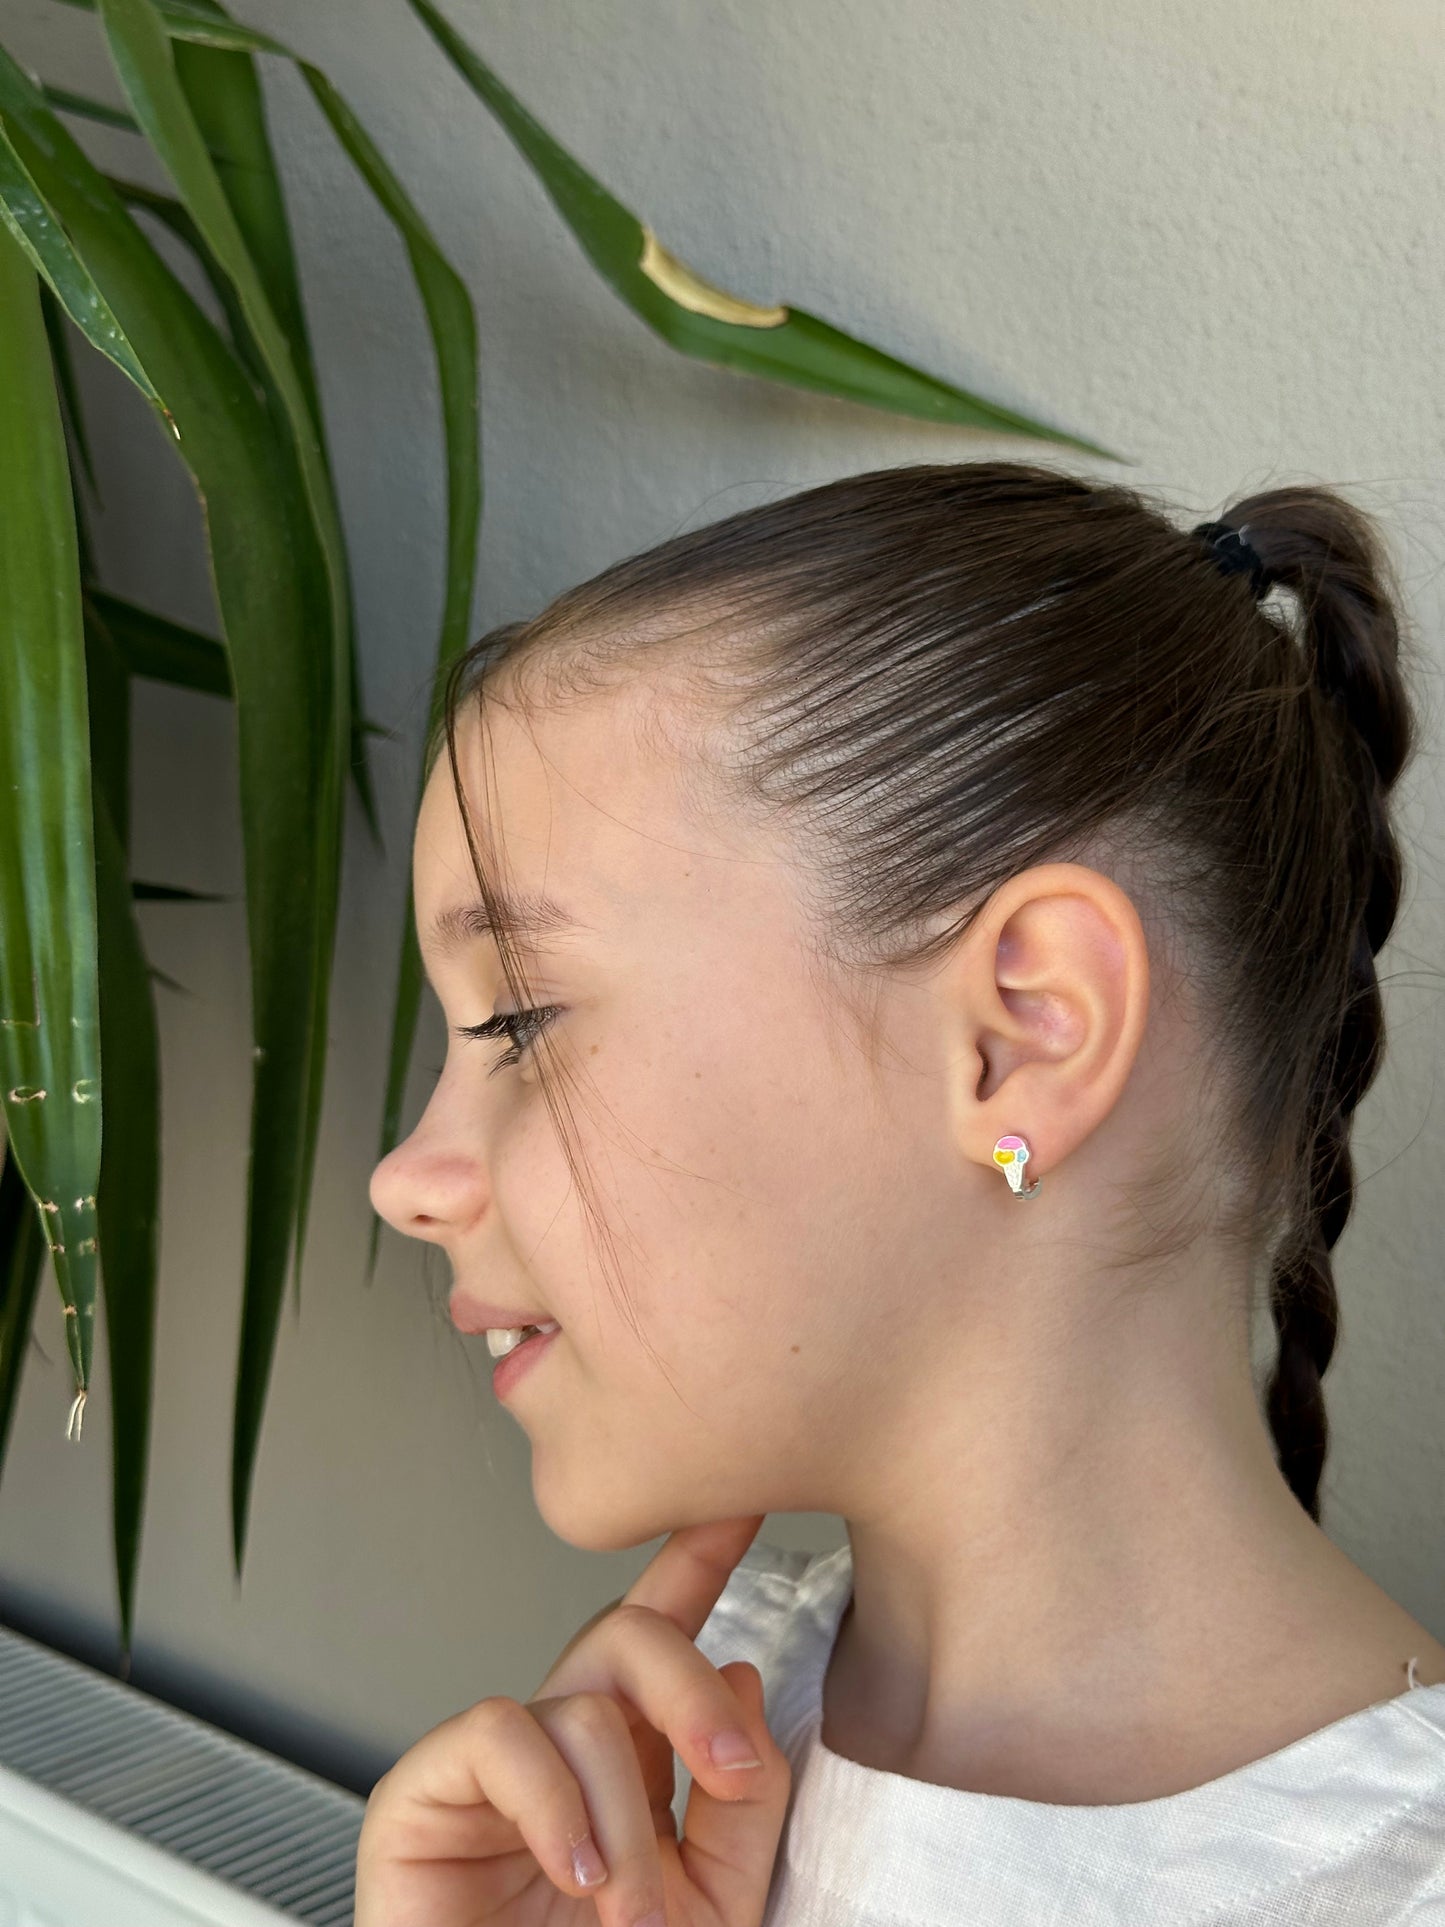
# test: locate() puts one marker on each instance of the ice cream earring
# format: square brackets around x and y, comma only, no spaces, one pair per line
[1011,1154]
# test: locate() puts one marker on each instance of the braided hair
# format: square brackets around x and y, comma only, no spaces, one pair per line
[1329,554]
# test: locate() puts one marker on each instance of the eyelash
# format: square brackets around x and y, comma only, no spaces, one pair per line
[530,1022]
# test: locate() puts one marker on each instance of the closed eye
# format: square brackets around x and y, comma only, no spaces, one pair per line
[522,1026]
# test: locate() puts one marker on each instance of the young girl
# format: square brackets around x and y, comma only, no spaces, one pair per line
[950,897]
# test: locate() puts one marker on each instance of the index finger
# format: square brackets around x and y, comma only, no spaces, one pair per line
[687,1575]
[683,1581]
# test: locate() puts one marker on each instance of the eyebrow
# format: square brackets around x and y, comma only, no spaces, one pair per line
[531,913]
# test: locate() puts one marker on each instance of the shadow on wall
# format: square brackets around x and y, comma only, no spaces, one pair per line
[238,1710]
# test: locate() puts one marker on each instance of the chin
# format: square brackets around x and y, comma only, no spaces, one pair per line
[598,1535]
[584,1518]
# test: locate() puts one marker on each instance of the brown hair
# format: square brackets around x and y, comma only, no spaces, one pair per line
[932,677]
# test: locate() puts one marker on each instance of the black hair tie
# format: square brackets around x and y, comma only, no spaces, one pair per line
[1232,555]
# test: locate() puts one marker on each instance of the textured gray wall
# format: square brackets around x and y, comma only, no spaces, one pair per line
[1209,238]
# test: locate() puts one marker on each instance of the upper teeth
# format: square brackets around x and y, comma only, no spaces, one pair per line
[501,1340]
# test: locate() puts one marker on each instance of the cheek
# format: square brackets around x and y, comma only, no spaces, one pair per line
[533,1191]
[745,1263]
[732,1190]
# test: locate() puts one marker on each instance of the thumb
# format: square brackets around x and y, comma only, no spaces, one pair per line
[729,1846]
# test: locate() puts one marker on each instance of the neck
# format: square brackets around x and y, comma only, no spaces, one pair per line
[1105,1592]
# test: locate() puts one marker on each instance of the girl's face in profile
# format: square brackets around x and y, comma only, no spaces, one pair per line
[785,1227]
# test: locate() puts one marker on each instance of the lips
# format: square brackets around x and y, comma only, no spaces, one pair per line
[474,1315]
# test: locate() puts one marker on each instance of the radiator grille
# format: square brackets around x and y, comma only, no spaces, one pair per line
[257,1822]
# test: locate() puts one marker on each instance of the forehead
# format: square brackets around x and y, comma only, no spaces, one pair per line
[575,816]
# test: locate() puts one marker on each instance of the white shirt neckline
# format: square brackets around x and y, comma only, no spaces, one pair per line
[1256,1828]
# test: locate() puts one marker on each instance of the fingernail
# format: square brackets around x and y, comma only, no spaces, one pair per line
[732,1750]
[587,1863]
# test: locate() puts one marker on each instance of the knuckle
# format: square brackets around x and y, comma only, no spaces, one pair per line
[497,1713]
[496,1706]
[595,1715]
[632,1613]
[387,1792]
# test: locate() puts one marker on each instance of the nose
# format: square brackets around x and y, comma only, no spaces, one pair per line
[427,1192]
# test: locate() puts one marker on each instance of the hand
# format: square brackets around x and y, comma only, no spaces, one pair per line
[478,1821]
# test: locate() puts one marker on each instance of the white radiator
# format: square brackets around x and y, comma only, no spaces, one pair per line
[117,1810]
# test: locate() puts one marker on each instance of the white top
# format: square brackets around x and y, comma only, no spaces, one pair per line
[1345,1826]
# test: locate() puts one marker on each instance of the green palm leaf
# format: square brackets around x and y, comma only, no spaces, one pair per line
[97,110]
[144,60]
[49,991]
[129,1191]
[452,323]
[272,592]
[224,92]
[696,318]
[22,1261]
[162,650]
[24,212]
[453,330]
[69,396]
